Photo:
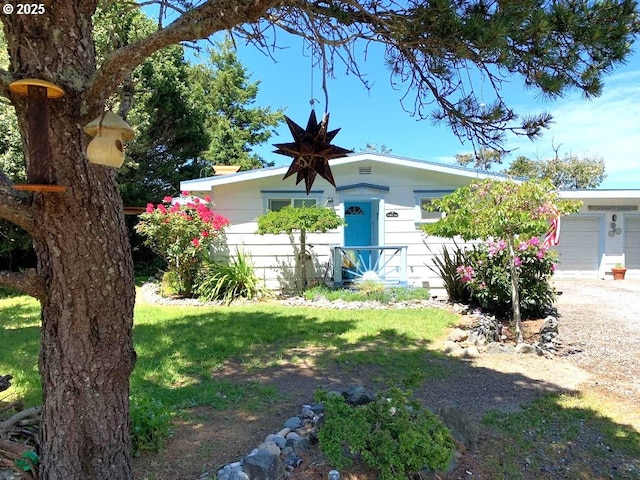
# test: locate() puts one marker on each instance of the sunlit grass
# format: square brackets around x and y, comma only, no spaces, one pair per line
[181,350]
[556,436]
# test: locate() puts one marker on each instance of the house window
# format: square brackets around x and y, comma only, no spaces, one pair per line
[424,198]
[276,204]
[426,215]
[354,210]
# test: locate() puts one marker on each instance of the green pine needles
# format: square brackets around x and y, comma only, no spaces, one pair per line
[393,434]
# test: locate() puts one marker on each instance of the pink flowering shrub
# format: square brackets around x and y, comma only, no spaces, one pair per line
[182,235]
[486,271]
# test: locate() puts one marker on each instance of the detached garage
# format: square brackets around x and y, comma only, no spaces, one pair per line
[605,232]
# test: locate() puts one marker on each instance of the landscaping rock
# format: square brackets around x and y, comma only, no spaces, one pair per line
[524,348]
[357,395]
[264,466]
[463,429]
[458,335]
[550,325]
[453,348]
[269,447]
[293,423]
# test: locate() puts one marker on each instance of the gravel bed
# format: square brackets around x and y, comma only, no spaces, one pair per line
[600,329]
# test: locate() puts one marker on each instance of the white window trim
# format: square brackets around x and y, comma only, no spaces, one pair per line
[289,195]
[420,195]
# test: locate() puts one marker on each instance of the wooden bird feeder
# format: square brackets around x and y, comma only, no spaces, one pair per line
[110,131]
[39,168]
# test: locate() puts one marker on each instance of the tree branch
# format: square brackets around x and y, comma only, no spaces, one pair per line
[27,281]
[198,23]
[15,206]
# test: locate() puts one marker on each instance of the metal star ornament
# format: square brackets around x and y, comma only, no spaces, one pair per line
[311,150]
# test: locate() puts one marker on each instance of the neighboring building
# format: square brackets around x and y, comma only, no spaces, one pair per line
[381,199]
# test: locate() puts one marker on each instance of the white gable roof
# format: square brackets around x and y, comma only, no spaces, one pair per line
[205,184]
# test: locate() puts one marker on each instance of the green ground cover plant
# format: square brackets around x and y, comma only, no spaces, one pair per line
[369,291]
[392,434]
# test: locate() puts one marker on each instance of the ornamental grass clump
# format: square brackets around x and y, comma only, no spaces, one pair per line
[182,235]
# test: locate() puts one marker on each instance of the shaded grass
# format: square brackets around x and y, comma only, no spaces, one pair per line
[561,436]
[180,349]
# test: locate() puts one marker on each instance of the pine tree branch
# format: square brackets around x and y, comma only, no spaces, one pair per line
[195,24]
[15,206]
[27,281]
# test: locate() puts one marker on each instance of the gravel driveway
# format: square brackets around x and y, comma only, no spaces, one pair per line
[599,325]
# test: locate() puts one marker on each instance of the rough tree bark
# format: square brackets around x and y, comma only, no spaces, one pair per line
[85,276]
[84,279]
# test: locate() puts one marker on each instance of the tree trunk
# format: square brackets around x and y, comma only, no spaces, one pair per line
[84,260]
[515,291]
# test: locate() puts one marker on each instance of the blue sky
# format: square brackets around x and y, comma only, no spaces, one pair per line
[607,127]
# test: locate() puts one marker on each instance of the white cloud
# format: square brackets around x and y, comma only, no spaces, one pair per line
[607,127]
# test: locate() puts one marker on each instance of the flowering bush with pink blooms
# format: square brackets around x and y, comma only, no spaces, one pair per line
[487,273]
[182,234]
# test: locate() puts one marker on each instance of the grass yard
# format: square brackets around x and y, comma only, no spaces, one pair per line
[187,357]
[180,348]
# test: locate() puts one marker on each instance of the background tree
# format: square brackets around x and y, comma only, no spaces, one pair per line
[233,123]
[506,210]
[304,220]
[571,171]
[84,278]
[483,159]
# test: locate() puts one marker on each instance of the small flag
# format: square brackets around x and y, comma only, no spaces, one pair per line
[552,238]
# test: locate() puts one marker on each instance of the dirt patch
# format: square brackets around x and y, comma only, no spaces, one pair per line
[206,439]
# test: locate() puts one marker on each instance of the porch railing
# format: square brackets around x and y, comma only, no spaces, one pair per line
[387,264]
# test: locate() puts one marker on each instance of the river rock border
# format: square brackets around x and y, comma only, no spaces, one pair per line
[281,452]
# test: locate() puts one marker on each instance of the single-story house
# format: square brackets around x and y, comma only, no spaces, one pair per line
[381,199]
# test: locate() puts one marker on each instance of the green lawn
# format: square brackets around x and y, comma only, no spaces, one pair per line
[180,348]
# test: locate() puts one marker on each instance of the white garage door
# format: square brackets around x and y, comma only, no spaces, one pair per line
[632,241]
[579,249]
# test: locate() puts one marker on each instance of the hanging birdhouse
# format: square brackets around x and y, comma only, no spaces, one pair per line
[39,167]
[110,131]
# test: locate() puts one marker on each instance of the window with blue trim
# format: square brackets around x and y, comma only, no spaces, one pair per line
[276,204]
[424,198]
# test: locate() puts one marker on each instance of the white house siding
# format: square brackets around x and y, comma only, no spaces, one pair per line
[395,185]
[392,187]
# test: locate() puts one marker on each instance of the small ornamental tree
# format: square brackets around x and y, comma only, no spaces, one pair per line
[182,235]
[300,219]
[501,210]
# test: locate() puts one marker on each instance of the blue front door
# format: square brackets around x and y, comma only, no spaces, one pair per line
[359,231]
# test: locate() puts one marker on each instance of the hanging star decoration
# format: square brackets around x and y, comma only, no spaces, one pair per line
[311,150]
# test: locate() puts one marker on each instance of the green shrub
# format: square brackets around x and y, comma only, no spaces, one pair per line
[170,285]
[488,273]
[150,425]
[392,434]
[237,279]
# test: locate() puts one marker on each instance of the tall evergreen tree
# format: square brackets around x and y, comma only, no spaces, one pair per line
[233,122]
